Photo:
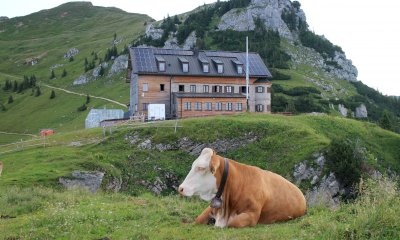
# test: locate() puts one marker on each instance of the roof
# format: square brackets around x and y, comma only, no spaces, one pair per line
[144,61]
[209,95]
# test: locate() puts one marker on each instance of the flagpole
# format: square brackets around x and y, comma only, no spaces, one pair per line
[247,73]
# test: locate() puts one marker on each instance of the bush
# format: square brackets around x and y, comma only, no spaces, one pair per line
[53,94]
[344,158]
[276,75]
[10,99]
[82,108]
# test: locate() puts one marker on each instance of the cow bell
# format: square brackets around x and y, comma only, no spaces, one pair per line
[216,203]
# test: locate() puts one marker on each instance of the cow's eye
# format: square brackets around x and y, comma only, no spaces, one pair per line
[200,169]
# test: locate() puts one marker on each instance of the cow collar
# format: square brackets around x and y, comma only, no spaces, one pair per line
[216,202]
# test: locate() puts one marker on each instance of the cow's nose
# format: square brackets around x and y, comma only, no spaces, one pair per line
[180,189]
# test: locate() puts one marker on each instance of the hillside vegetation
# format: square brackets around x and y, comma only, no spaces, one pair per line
[46,36]
[42,209]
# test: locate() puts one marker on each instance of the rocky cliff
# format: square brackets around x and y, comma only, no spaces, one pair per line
[270,12]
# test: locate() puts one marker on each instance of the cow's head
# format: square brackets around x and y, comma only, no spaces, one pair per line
[201,180]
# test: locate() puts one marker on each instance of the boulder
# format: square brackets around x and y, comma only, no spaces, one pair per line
[343,111]
[90,181]
[361,112]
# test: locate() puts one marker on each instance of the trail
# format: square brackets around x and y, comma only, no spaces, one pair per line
[81,94]
[24,134]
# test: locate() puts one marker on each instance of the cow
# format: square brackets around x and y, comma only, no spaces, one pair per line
[1,167]
[249,194]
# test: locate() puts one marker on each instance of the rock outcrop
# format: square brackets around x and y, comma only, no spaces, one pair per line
[90,181]
[269,11]
[82,79]
[325,190]
[71,52]
[361,112]
[343,111]
[119,65]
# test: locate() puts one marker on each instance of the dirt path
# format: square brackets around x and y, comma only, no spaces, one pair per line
[81,94]
[24,134]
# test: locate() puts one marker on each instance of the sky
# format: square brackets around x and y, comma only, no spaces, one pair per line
[367,31]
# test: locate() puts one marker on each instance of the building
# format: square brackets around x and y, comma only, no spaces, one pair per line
[96,116]
[196,83]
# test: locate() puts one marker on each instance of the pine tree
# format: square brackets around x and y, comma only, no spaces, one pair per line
[2,107]
[95,56]
[10,99]
[15,86]
[53,75]
[87,99]
[53,94]
[71,59]
[64,73]
[386,121]
[38,92]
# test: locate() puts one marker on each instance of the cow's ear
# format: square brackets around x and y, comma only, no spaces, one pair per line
[214,164]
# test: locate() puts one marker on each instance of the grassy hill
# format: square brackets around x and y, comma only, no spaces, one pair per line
[47,35]
[31,192]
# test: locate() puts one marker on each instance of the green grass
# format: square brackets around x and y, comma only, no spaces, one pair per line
[50,34]
[281,143]
[43,213]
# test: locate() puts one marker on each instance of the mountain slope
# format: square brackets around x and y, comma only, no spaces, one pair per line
[78,28]
[278,31]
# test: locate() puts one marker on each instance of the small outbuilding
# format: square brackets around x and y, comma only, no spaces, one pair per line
[96,116]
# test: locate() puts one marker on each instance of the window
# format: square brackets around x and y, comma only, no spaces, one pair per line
[259,89]
[259,108]
[185,67]
[220,68]
[197,106]
[187,106]
[218,106]
[208,106]
[162,87]
[185,64]
[243,89]
[145,106]
[206,88]
[192,88]
[239,69]
[238,106]
[145,87]
[161,63]
[206,67]
[181,88]
[161,66]
[229,89]
[228,106]
[268,90]
[217,89]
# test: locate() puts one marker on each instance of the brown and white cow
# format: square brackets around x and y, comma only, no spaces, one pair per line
[251,195]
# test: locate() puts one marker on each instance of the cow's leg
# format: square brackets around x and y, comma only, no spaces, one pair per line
[204,216]
[244,219]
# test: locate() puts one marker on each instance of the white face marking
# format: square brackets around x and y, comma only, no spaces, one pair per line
[200,181]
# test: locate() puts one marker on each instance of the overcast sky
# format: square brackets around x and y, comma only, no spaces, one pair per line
[368,31]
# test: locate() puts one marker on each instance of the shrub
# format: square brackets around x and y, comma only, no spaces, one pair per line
[53,94]
[344,158]
[38,92]
[10,99]
[82,108]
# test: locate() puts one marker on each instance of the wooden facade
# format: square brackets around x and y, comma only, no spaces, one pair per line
[194,95]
